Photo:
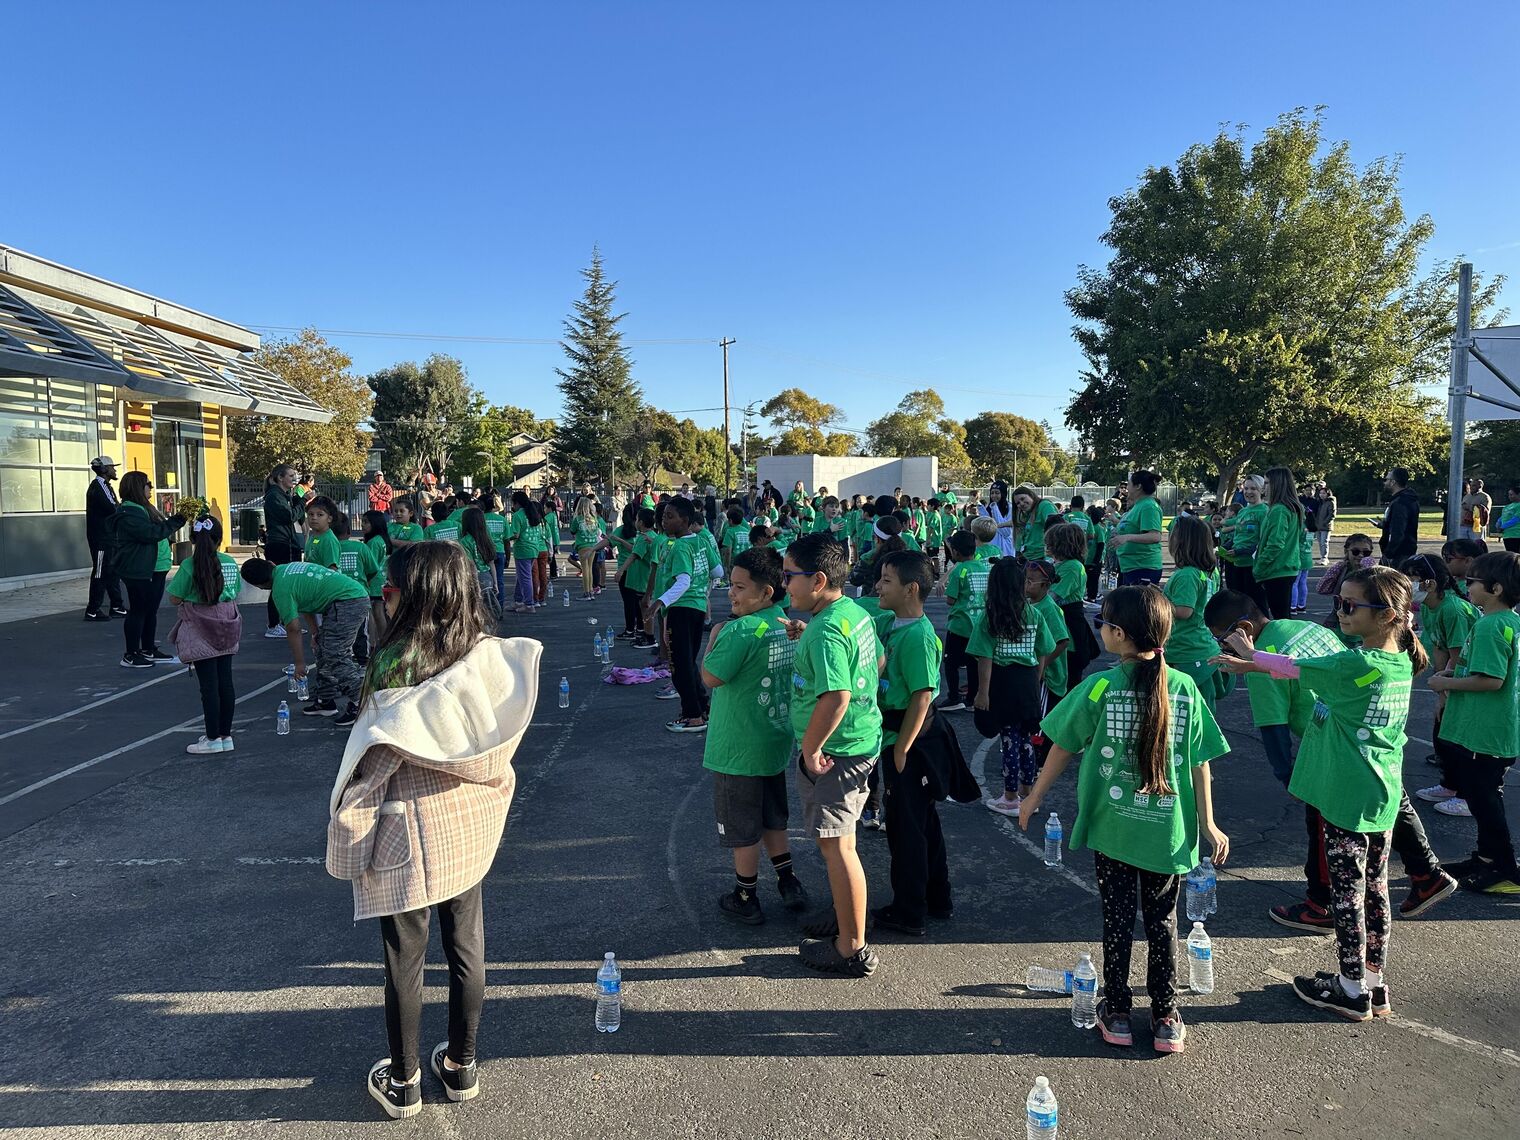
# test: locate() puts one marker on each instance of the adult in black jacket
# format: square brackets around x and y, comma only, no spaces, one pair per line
[281,542]
[1401,523]
[100,505]
[139,527]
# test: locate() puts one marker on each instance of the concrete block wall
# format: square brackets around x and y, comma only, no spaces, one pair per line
[852,474]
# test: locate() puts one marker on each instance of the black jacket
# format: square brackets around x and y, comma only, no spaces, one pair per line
[98,510]
[937,751]
[281,513]
[137,538]
[1401,527]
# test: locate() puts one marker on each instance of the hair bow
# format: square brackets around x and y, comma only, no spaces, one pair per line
[201,524]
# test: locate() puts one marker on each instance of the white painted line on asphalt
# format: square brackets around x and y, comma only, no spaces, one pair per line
[261,1084]
[1011,829]
[1434,1032]
[173,672]
[103,757]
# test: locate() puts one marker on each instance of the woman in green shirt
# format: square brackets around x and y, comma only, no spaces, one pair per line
[1191,647]
[209,630]
[142,562]
[1239,536]
[1137,538]
[1030,512]
[1280,543]
[526,534]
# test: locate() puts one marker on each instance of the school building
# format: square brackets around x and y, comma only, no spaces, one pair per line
[88,368]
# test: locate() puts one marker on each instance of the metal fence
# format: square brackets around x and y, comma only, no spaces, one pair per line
[351,497]
[1167,494]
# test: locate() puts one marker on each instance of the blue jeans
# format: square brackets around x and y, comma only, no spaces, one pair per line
[1278,741]
[1301,590]
[501,576]
[1140,577]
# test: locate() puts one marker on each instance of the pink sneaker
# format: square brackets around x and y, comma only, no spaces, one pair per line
[1003,805]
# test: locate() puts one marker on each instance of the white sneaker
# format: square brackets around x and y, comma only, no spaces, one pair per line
[1436,793]
[204,747]
[1455,806]
[667,694]
[1003,805]
[277,631]
[226,743]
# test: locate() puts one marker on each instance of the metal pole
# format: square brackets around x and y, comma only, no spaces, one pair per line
[728,450]
[1460,343]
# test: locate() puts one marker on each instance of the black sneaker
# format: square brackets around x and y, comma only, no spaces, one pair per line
[1302,916]
[942,913]
[1465,867]
[820,954]
[348,716]
[320,708]
[1425,892]
[1113,1026]
[136,661]
[953,706]
[458,1084]
[399,1101]
[1168,1034]
[1378,995]
[794,895]
[742,906]
[159,655]
[1493,880]
[1324,991]
[118,611]
[626,635]
[888,919]
[88,616]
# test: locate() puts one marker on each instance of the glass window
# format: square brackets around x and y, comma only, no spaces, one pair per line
[25,489]
[24,437]
[42,423]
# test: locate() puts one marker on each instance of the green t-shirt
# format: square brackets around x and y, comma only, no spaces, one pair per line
[1508,525]
[358,562]
[1055,625]
[307,588]
[1191,642]
[1446,626]
[714,555]
[640,562]
[865,532]
[1029,536]
[407,532]
[496,527]
[183,583]
[914,653]
[623,547]
[447,529]
[1247,530]
[165,557]
[527,541]
[1289,702]
[933,530]
[736,539]
[1079,519]
[1487,722]
[689,555]
[838,652]
[1116,814]
[749,732]
[1142,518]
[585,532]
[966,591]
[480,560]
[1033,642]
[322,549]
[1350,763]
[1071,582]
[377,549]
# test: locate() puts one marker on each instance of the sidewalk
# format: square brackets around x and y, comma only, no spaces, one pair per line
[29,603]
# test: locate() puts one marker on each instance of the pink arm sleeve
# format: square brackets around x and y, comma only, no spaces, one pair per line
[1279,665]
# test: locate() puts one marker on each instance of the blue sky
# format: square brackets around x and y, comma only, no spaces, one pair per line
[869,197]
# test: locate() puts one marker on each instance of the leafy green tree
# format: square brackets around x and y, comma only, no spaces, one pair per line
[1007,446]
[602,400]
[319,370]
[919,426]
[1258,302]
[420,413]
[484,450]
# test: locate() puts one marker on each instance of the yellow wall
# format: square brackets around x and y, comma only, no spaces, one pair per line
[137,419]
[215,465]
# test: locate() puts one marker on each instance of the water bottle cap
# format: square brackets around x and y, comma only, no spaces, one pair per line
[607,957]
[1042,1082]
[1197,926]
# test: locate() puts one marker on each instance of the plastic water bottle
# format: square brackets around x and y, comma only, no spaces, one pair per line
[1049,981]
[564,692]
[609,637]
[1200,960]
[607,651]
[550,592]
[1053,841]
[1041,1112]
[609,996]
[303,688]
[596,644]
[282,719]
[1084,994]
[565,594]
[1202,891]
[290,678]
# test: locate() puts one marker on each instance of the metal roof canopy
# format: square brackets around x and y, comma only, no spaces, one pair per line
[46,335]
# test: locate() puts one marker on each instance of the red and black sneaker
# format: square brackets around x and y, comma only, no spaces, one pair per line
[1425,891]
[1381,1006]
[1114,1027]
[1304,915]
[1326,992]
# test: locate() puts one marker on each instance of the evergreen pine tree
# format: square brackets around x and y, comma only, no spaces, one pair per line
[603,403]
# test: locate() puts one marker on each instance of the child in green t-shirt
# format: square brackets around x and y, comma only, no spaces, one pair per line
[748,668]
[1482,719]
[683,605]
[1144,794]
[1039,581]
[404,530]
[321,545]
[378,539]
[208,582]
[357,561]
[476,539]
[1009,642]
[1445,619]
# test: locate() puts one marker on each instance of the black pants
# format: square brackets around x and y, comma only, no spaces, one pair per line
[1480,781]
[920,873]
[217,698]
[599,569]
[1095,575]
[684,625]
[464,945]
[633,615]
[956,657]
[1279,595]
[1243,580]
[1120,888]
[103,581]
[280,554]
[141,625]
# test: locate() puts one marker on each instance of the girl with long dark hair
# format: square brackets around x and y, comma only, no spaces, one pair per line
[1001,512]
[209,630]
[1137,538]
[142,561]
[1008,641]
[475,537]
[525,532]
[1282,547]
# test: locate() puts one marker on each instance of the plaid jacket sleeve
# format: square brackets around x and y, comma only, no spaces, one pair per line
[351,830]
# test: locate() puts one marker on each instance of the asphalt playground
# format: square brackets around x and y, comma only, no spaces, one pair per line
[177,963]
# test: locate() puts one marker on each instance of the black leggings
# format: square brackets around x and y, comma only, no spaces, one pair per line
[140,628]
[956,657]
[279,553]
[684,625]
[633,616]
[1279,595]
[1120,888]
[217,698]
[464,946]
[1480,780]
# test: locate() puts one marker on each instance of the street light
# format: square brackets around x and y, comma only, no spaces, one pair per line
[490,458]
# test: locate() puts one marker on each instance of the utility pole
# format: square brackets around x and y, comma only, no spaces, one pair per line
[728,448]
[1461,344]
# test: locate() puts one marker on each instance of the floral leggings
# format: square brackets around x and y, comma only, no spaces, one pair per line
[1358,863]
[1121,888]
[1020,765]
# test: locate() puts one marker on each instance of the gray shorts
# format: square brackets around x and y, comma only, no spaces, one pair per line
[745,806]
[832,802]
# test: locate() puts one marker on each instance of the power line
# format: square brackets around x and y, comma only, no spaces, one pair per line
[464,339]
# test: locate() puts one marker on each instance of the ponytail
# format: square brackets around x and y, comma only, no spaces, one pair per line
[1144,613]
[1410,644]
[205,566]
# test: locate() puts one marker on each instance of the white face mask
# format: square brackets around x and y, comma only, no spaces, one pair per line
[1420,596]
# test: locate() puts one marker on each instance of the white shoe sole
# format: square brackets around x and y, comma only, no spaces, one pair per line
[1446,807]
[391,1110]
[457,1096]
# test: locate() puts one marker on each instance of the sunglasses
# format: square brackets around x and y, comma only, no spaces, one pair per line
[1348,607]
[1479,581]
[788,575]
[1360,553]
